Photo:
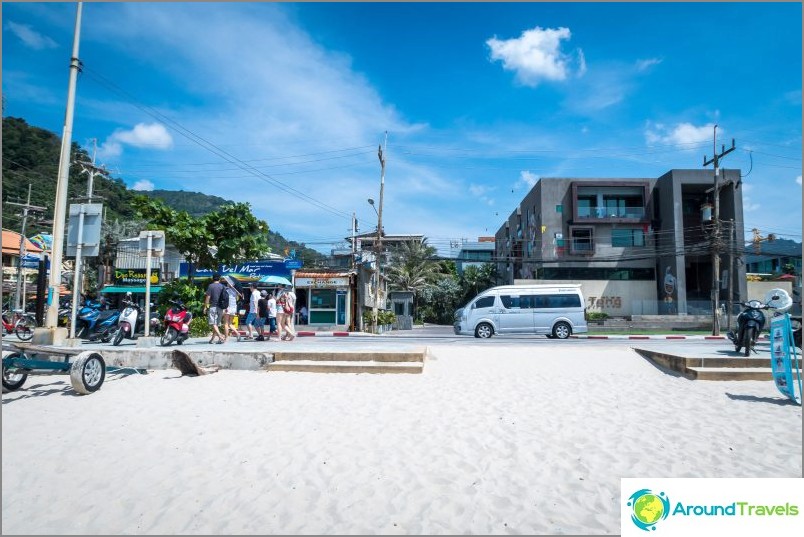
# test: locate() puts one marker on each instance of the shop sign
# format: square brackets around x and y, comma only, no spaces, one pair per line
[134,276]
[322,282]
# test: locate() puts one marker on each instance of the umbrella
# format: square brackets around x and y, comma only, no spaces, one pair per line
[278,280]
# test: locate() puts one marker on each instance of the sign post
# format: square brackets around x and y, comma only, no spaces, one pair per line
[154,242]
[86,232]
[782,366]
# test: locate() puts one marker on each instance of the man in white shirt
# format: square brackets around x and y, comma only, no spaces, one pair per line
[271,316]
[252,311]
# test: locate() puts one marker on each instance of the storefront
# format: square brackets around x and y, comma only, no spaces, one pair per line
[326,295]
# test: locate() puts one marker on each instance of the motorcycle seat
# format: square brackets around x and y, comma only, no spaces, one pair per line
[106,314]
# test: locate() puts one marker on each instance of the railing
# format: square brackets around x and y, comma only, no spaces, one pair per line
[611,212]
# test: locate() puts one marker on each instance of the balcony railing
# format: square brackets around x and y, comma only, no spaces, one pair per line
[611,212]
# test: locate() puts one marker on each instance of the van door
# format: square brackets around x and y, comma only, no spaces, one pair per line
[483,310]
[514,318]
[542,316]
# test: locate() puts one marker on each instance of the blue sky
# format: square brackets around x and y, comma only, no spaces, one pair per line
[284,105]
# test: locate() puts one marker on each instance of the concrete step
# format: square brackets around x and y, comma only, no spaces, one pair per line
[743,373]
[317,366]
[349,356]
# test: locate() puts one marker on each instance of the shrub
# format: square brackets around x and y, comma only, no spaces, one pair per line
[199,327]
[597,316]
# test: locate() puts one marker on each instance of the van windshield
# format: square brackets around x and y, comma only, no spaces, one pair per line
[484,302]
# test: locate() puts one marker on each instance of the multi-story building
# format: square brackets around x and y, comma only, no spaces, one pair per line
[637,245]
[471,253]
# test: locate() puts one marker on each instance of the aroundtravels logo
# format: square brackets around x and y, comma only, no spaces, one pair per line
[648,508]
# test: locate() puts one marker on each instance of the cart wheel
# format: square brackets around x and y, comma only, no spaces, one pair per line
[12,380]
[87,372]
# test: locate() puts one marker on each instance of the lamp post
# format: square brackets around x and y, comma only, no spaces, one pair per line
[379,237]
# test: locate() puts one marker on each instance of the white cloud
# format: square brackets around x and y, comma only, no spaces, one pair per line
[31,37]
[152,136]
[536,55]
[644,65]
[527,179]
[684,134]
[749,206]
[798,180]
[480,192]
[143,185]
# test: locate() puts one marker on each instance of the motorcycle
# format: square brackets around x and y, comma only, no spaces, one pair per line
[750,323]
[131,323]
[177,324]
[94,324]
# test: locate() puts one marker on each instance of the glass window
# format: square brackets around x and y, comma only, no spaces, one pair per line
[582,240]
[399,308]
[510,302]
[485,302]
[627,237]
[322,299]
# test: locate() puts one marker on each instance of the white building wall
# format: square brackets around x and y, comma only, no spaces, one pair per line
[617,298]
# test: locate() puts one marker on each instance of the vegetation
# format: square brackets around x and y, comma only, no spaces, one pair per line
[597,316]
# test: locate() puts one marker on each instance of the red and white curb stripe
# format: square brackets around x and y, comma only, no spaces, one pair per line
[648,337]
[311,334]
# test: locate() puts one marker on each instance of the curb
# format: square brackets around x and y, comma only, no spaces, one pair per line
[624,336]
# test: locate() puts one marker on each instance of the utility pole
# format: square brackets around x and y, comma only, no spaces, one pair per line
[26,207]
[379,236]
[354,241]
[716,244]
[732,246]
[60,209]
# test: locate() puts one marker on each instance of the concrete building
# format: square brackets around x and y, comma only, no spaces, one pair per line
[474,253]
[639,246]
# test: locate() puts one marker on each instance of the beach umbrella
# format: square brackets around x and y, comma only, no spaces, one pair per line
[277,280]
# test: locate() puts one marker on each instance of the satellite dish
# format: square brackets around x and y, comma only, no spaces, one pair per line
[779,300]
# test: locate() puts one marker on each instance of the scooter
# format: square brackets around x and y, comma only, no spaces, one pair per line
[177,324]
[750,323]
[132,321]
[94,324]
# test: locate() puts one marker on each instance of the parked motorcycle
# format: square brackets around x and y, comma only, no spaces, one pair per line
[177,324]
[131,323]
[750,323]
[96,324]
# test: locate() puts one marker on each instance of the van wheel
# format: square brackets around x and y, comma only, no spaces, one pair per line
[484,330]
[562,330]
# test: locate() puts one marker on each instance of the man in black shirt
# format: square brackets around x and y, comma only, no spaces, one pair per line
[211,307]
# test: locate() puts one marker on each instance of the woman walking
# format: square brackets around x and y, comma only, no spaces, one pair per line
[287,306]
[231,310]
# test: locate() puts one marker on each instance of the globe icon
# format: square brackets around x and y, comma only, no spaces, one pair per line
[648,509]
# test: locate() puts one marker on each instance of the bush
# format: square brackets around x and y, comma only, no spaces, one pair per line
[199,327]
[597,316]
[383,317]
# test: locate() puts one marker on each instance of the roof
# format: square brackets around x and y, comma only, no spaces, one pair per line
[323,274]
[11,243]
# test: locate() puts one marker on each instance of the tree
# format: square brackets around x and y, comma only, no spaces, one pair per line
[228,235]
[413,267]
[476,279]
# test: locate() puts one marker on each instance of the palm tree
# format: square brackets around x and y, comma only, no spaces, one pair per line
[413,267]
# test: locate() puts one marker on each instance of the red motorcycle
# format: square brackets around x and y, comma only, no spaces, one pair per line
[177,324]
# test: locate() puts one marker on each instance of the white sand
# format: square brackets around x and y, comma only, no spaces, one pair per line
[526,440]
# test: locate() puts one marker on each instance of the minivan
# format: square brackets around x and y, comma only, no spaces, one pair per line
[556,311]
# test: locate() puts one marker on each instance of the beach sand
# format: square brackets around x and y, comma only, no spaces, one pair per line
[527,440]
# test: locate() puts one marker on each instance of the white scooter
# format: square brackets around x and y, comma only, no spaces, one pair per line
[132,321]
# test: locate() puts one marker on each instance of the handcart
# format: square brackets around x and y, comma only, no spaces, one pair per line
[87,370]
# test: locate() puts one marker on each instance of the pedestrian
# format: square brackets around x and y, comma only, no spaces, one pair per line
[272,329]
[262,315]
[251,318]
[303,315]
[289,308]
[211,309]
[231,310]
[281,302]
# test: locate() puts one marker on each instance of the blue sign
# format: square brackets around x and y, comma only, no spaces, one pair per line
[293,264]
[242,272]
[781,363]
[30,261]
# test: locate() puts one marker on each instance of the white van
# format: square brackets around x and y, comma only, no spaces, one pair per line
[553,310]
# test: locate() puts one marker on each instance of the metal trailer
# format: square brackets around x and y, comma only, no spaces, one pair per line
[87,370]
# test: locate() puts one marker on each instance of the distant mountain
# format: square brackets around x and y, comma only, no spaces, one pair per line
[31,156]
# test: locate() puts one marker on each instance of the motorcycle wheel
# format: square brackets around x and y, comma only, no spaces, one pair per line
[106,337]
[748,337]
[168,337]
[81,332]
[118,337]
[24,328]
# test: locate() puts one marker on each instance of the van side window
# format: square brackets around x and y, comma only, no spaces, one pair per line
[510,302]
[564,301]
[485,302]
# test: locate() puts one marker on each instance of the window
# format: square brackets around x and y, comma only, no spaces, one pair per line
[510,302]
[559,209]
[586,206]
[581,241]
[624,238]
[322,299]
[557,301]
[485,302]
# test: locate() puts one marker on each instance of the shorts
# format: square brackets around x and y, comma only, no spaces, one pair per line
[231,311]
[272,324]
[250,318]
[260,322]
[214,316]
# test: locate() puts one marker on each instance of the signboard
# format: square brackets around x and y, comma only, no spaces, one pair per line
[90,239]
[322,282]
[134,276]
[781,363]
[30,261]
[157,242]
[293,264]
[243,272]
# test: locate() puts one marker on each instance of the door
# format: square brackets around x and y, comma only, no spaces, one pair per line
[340,307]
[515,315]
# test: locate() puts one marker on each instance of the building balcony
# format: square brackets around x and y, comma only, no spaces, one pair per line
[602,213]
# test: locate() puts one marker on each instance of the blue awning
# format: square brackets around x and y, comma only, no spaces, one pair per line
[131,289]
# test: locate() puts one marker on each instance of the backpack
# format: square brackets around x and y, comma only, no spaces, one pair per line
[223,299]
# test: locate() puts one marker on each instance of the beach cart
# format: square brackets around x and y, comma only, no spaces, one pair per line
[87,369]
